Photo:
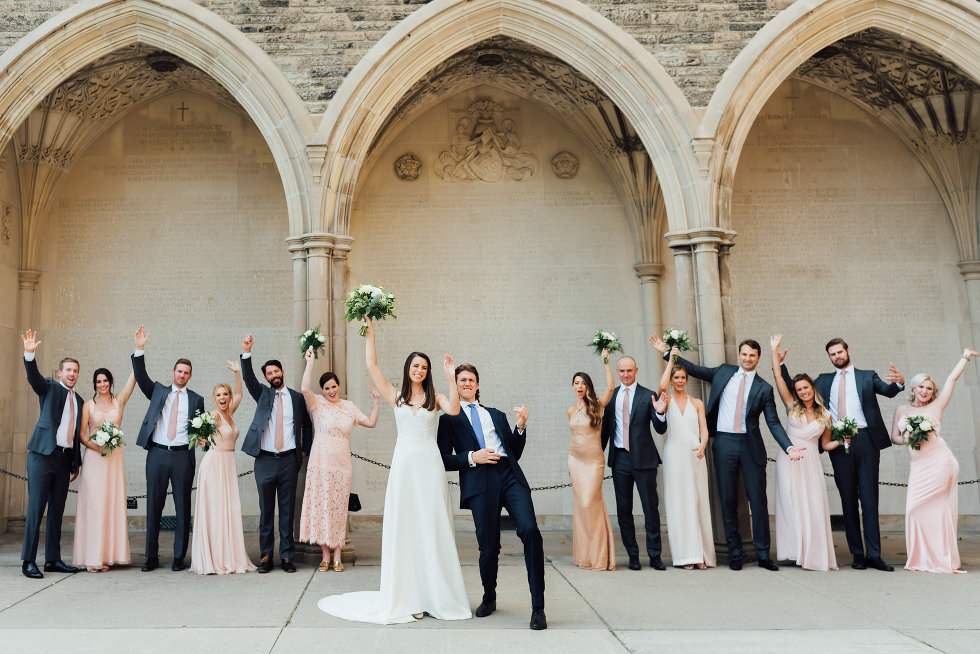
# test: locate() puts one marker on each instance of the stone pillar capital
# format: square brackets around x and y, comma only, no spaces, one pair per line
[969,269]
[27,279]
[649,272]
[701,238]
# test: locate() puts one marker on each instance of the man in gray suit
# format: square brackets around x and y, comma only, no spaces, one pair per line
[280,435]
[53,458]
[169,458]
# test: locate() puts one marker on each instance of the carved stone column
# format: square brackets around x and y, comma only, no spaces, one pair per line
[971,338]
[650,275]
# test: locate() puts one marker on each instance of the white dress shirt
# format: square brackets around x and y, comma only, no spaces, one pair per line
[491,439]
[729,398]
[268,442]
[63,438]
[618,436]
[160,431]
[853,398]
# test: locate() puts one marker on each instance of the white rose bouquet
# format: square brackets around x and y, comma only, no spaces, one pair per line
[677,338]
[917,430]
[604,340]
[108,437]
[843,431]
[368,301]
[201,429]
[312,338]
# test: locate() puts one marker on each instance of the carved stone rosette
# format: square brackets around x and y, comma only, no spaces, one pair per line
[565,165]
[407,167]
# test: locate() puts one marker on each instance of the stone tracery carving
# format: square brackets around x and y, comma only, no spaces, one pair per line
[5,226]
[482,151]
[565,165]
[407,167]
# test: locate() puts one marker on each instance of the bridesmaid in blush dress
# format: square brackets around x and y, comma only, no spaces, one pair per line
[802,510]
[931,508]
[686,474]
[323,519]
[101,527]
[219,541]
[593,545]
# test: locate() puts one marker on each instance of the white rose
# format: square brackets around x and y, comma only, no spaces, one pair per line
[116,432]
[925,425]
[320,338]
[675,333]
[196,422]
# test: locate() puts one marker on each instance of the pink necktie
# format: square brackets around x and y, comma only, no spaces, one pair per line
[740,404]
[842,396]
[71,418]
[172,425]
[279,438]
[626,419]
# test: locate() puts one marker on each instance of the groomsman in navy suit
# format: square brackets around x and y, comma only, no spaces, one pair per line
[169,458]
[53,459]
[479,443]
[852,393]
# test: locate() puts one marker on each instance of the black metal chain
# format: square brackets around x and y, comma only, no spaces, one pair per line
[130,497]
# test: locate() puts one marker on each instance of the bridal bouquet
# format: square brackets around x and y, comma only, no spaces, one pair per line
[606,341]
[917,430]
[201,430]
[843,431]
[312,338]
[108,437]
[368,301]
[677,338]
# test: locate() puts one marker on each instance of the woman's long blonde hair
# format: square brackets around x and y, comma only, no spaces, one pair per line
[798,410]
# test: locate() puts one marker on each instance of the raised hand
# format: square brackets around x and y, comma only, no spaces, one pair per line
[140,338]
[374,390]
[894,376]
[449,367]
[30,341]
[658,344]
[674,353]
[659,402]
[774,342]
[308,355]
[605,355]
[795,453]
[969,353]
[233,366]
[522,415]
[247,343]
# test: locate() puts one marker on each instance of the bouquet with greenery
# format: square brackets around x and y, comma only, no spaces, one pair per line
[108,437]
[201,429]
[604,340]
[843,431]
[917,430]
[312,338]
[368,301]
[677,338]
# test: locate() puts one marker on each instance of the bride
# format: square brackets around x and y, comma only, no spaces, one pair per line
[420,570]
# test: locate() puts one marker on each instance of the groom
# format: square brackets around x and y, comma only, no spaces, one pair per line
[479,443]
[169,458]
[280,435]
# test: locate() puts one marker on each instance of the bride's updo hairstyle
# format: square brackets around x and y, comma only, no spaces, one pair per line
[918,379]
[430,391]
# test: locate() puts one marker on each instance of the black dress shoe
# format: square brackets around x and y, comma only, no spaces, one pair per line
[486,608]
[538,621]
[878,564]
[178,565]
[152,563]
[29,568]
[265,565]
[768,564]
[859,563]
[634,564]
[656,563]
[59,566]
[735,563]
[287,565]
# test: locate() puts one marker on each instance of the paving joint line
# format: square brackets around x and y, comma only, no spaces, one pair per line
[39,590]
[592,608]
[289,618]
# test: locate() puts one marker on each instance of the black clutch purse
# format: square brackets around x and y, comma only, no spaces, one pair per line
[353,503]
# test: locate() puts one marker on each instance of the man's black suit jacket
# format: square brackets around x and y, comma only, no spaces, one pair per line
[157,394]
[643,450]
[264,396]
[457,439]
[51,395]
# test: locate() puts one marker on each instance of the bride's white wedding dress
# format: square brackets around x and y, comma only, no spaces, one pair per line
[420,569]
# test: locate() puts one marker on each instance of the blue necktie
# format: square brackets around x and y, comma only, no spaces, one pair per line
[477,425]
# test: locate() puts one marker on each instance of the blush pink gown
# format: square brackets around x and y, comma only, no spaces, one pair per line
[802,510]
[218,547]
[931,508]
[593,544]
[101,527]
[323,519]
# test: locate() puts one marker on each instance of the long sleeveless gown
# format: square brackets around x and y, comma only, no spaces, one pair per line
[593,545]
[323,519]
[101,527]
[219,542]
[686,490]
[931,509]
[420,569]
[802,510]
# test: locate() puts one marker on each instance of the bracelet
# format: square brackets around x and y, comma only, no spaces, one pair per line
[965,357]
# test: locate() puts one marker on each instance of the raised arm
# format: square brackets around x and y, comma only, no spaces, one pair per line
[450,404]
[304,386]
[777,361]
[139,363]
[372,419]
[665,378]
[126,391]
[895,382]
[236,387]
[946,392]
[248,374]
[371,358]
[34,377]
[610,380]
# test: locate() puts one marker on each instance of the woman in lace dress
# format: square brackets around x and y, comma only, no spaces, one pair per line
[323,519]
[101,527]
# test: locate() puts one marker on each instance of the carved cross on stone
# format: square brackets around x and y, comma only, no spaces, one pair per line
[182,108]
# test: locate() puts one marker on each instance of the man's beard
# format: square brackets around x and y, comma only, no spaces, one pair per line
[841,366]
[276,383]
